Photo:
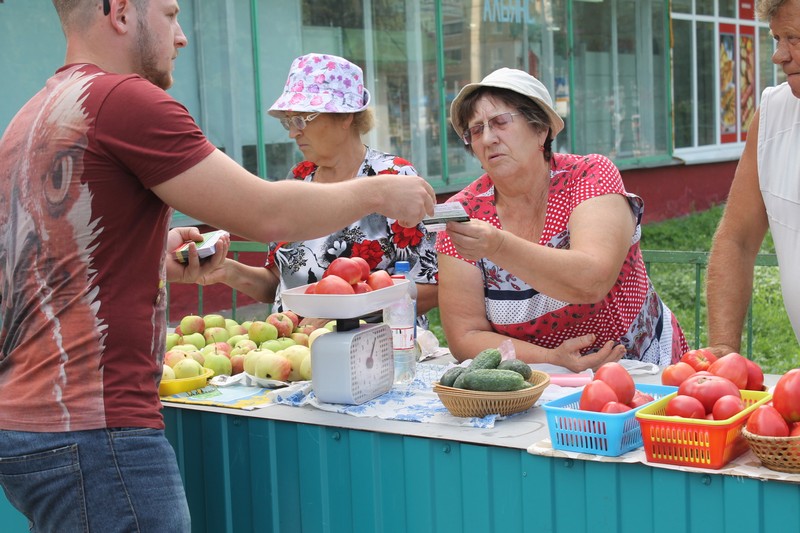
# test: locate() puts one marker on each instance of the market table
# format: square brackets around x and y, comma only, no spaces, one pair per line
[286,469]
[292,469]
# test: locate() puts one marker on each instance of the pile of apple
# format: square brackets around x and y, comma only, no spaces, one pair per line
[709,387]
[350,275]
[275,348]
[781,417]
[612,390]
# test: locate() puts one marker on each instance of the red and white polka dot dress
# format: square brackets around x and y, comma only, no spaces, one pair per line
[631,313]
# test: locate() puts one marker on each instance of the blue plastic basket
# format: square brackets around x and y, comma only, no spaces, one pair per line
[609,434]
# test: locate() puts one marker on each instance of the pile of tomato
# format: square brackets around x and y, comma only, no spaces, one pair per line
[781,418]
[612,390]
[350,275]
[709,387]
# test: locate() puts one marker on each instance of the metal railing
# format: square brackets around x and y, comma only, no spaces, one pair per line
[699,260]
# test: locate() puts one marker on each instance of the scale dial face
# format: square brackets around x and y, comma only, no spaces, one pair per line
[371,362]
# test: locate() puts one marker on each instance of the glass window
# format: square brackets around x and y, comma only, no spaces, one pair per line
[704,7]
[683,83]
[706,85]
[621,79]
[727,8]
[681,6]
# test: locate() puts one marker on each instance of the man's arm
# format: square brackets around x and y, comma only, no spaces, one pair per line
[736,243]
[222,194]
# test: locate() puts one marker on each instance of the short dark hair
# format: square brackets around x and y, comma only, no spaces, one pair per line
[533,113]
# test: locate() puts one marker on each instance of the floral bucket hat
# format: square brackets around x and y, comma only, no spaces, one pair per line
[322,83]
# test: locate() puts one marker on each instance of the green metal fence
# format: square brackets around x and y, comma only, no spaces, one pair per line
[696,260]
[699,260]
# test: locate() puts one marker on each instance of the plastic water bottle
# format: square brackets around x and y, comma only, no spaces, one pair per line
[401,316]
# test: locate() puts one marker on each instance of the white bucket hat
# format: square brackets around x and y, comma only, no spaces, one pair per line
[514,80]
[322,83]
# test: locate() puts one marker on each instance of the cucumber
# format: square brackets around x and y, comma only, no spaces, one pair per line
[488,358]
[459,382]
[517,366]
[494,380]
[449,377]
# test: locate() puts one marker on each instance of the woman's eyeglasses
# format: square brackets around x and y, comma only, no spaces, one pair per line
[498,122]
[106,7]
[299,122]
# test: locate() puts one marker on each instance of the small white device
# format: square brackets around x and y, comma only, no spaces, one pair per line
[354,363]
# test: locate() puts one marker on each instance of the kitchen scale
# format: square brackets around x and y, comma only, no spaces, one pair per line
[355,362]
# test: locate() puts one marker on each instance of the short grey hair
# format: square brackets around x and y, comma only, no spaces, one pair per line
[766,9]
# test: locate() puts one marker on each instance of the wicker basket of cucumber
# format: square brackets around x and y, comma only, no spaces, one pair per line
[490,386]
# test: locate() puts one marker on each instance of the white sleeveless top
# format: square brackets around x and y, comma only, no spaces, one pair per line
[779,181]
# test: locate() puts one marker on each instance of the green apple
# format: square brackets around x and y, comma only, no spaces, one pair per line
[236,329]
[173,339]
[316,333]
[273,345]
[197,356]
[187,368]
[250,359]
[285,342]
[217,347]
[295,354]
[259,331]
[239,350]
[300,338]
[246,324]
[192,324]
[230,322]
[173,356]
[214,321]
[273,366]
[195,339]
[247,344]
[167,373]
[233,339]
[331,325]
[219,363]
[305,368]
[216,334]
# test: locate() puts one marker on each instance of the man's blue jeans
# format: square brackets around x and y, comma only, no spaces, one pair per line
[121,479]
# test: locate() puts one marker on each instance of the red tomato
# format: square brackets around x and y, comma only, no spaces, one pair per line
[616,376]
[755,376]
[708,389]
[361,287]
[640,398]
[595,395]
[311,289]
[614,407]
[786,396]
[333,284]
[345,268]
[732,366]
[794,430]
[676,374]
[767,422]
[379,279]
[727,406]
[685,406]
[364,267]
[699,359]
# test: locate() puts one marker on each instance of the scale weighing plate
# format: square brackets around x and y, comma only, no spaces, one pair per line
[354,363]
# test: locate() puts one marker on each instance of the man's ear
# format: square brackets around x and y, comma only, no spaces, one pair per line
[120,15]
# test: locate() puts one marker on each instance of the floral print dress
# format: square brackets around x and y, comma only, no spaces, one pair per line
[379,240]
[631,313]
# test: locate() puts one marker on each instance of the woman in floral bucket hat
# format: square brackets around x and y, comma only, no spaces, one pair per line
[324,107]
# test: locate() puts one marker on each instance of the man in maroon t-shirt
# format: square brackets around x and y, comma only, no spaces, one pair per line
[91,169]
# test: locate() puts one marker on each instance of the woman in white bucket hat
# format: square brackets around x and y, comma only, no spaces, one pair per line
[324,107]
[550,258]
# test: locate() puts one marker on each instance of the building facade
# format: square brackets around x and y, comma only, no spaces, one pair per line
[665,89]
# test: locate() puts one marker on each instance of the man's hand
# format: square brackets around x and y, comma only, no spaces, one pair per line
[407,199]
[193,269]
